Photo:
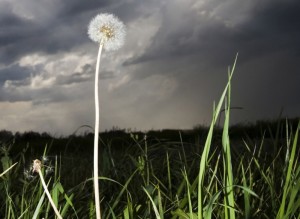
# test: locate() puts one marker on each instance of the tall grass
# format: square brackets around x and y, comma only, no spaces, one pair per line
[146,177]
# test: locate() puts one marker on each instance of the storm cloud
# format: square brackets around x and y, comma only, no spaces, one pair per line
[171,69]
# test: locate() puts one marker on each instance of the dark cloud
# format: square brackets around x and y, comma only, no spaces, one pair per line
[173,66]
[14,72]
[270,27]
[65,29]
[71,8]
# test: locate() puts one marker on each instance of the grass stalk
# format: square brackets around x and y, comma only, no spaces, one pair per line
[228,176]
[288,186]
[156,211]
[2,174]
[205,153]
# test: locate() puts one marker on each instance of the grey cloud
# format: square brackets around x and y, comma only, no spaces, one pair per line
[14,72]
[85,75]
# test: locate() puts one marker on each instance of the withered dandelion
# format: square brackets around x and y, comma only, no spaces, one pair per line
[37,167]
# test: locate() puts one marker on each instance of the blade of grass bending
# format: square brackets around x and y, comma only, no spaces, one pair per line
[113,216]
[23,213]
[68,199]
[121,192]
[2,174]
[287,187]
[67,205]
[209,207]
[207,145]
[248,190]
[153,204]
[123,189]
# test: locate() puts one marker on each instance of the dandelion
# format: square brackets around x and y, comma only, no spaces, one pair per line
[31,172]
[109,32]
[36,168]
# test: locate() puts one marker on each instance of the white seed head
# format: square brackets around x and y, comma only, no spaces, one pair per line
[107,29]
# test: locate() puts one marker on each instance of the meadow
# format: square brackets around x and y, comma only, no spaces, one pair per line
[155,174]
[242,171]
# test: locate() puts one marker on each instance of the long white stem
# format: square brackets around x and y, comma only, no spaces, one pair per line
[96,136]
[48,194]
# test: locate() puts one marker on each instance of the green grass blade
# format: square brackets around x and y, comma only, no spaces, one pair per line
[38,207]
[228,175]
[287,185]
[188,193]
[246,196]
[153,204]
[203,161]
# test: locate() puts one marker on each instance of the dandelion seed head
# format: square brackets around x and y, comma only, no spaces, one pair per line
[108,30]
[37,165]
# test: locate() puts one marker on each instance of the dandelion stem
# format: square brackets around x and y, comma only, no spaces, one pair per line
[48,194]
[96,135]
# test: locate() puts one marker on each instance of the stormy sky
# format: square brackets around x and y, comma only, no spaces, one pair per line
[171,69]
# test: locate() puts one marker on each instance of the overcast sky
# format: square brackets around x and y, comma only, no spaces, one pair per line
[171,69]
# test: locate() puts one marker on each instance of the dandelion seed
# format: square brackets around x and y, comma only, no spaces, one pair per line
[28,175]
[108,30]
[49,170]
[45,159]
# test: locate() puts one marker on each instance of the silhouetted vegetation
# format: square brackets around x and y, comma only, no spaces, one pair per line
[123,153]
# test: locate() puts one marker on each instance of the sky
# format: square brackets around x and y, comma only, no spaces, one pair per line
[171,69]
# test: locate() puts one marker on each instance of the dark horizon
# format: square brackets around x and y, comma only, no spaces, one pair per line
[257,127]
